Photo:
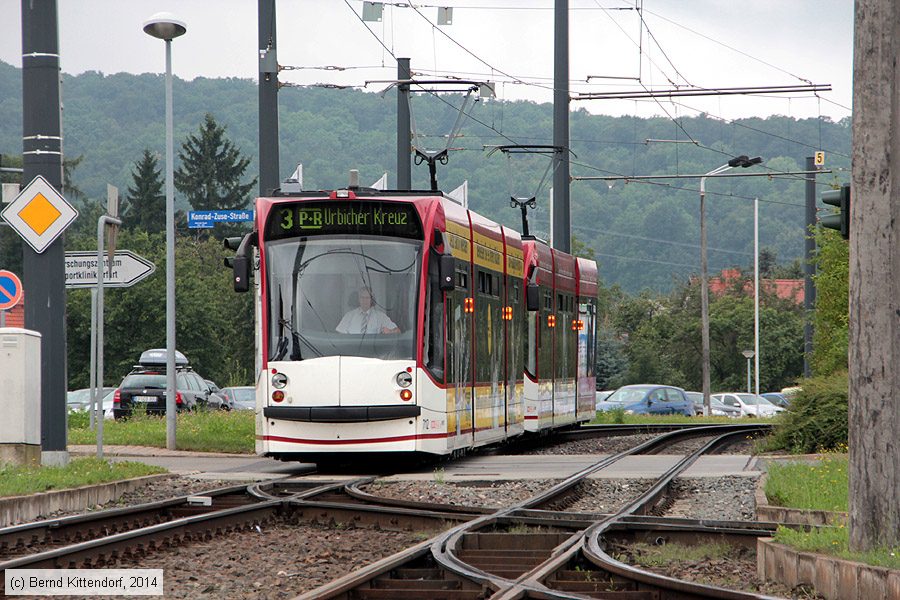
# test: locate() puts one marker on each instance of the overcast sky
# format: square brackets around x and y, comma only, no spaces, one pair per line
[709,43]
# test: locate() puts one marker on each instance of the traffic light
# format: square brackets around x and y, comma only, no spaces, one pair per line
[839,221]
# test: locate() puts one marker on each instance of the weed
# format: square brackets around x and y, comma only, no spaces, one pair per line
[439,477]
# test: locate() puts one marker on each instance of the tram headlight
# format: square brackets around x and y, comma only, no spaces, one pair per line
[404,379]
[277,395]
[279,380]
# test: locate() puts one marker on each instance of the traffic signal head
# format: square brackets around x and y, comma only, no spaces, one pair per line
[839,221]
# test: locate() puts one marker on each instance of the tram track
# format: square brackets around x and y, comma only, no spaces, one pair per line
[478,541]
[523,551]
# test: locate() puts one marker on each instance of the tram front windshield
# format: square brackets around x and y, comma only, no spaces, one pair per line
[342,296]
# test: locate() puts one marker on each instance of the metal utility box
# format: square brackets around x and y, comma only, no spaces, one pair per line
[20,396]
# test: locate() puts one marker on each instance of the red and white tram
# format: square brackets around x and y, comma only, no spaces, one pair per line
[401,322]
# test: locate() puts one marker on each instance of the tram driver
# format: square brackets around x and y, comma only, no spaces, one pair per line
[367,318]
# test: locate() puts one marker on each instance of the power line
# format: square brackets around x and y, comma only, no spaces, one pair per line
[606,232]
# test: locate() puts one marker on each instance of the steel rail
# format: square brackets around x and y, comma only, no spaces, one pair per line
[63,528]
[443,548]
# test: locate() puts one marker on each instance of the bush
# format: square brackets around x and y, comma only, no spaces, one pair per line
[816,420]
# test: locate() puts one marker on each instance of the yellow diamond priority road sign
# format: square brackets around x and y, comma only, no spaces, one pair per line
[39,214]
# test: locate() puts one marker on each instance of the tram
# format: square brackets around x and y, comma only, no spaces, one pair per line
[401,322]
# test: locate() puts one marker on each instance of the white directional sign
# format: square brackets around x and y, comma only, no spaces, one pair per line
[127,269]
[39,214]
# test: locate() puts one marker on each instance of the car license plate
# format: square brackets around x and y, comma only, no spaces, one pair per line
[143,398]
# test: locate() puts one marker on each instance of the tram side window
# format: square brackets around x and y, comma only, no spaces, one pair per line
[434,321]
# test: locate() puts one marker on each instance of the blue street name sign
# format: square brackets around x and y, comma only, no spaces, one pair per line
[205,219]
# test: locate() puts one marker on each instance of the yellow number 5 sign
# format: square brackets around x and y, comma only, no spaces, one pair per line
[820,158]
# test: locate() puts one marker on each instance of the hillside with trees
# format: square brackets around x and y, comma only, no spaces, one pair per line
[643,235]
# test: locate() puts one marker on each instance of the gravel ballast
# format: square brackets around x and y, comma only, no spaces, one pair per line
[730,498]
[488,494]
[280,560]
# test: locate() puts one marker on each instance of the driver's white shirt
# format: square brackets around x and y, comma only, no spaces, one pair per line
[353,321]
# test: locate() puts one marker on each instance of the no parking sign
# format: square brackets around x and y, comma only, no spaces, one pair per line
[10,290]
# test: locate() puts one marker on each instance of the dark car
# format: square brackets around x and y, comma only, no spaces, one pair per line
[240,398]
[145,386]
[650,400]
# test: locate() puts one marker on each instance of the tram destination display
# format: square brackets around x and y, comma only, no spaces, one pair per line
[398,219]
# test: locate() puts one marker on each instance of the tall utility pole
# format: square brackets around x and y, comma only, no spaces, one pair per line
[809,289]
[44,274]
[268,99]
[561,226]
[404,150]
[875,279]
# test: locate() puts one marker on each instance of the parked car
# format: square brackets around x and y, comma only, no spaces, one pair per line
[650,400]
[751,405]
[240,398]
[777,398]
[602,395]
[81,399]
[146,384]
[717,409]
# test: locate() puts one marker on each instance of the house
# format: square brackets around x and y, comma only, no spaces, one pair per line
[786,289]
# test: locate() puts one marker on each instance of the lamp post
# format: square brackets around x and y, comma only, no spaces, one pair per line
[739,161]
[748,354]
[166,27]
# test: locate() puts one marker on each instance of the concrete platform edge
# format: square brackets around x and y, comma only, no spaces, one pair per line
[832,577]
[21,509]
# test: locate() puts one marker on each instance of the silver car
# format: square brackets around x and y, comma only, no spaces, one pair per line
[717,409]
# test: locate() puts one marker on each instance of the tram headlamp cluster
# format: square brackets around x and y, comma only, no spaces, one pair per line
[404,379]
[279,380]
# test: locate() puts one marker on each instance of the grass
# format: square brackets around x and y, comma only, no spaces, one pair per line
[823,486]
[19,481]
[618,416]
[204,431]
[835,541]
[651,555]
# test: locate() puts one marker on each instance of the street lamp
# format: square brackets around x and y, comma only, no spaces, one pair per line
[738,161]
[748,354]
[165,26]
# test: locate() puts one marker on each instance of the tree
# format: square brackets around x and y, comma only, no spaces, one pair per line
[211,170]
[874,272]
[145,205]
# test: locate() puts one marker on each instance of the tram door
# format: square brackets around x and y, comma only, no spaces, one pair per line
[460,389]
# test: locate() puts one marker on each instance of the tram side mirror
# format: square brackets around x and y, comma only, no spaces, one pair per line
[532,297]
[447,271]
[241,271]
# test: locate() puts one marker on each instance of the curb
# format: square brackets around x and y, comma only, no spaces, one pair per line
[150,451]
[20,509]
[832,577]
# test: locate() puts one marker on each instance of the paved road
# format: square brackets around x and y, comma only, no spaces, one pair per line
[478,468]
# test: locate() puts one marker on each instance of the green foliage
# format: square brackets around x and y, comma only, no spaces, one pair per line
[830,319]
[20,481]
[836,542]
[211,171]
[822,486]
[664,339]
[201,431]
[145,204]
[817,417]
[214,328]
[644,235]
